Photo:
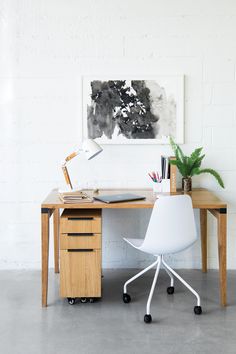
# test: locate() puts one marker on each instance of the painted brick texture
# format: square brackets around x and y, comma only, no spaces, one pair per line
[46,46]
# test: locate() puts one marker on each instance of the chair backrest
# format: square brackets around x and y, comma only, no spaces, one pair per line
[171,227]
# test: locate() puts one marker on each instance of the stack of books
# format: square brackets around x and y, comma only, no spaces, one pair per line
[75,197]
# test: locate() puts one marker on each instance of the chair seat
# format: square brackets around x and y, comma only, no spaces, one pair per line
[135,242]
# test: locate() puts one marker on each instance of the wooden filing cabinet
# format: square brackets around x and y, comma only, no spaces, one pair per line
[80,254]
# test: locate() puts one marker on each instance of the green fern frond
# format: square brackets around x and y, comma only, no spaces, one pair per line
[195,154]
[195,164]
[181,154]
[213,173]
[182,169]
[177,150]
[172,143]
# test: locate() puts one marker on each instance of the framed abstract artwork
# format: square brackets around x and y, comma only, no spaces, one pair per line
[121,110]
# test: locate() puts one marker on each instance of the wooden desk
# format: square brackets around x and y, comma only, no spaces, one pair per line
[202,199]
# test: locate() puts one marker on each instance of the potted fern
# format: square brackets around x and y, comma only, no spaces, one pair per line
[189,166]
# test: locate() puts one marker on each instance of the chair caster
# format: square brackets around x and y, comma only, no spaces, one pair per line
[197,310]
[147,318]
[170,290]
[126,298]
[71,300]
[91,300]
[83,300]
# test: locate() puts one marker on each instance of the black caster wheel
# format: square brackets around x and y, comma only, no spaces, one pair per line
[71,300]
[83,300]
[91,300]
[170,290]
[126,298]
[147,318]
[197,310]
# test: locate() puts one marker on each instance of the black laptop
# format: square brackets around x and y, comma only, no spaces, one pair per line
[117,198]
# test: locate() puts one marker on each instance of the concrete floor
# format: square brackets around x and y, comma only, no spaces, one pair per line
[110,326]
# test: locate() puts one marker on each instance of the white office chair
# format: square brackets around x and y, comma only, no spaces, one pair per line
[171,229]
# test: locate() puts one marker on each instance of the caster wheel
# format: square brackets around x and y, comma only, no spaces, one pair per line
[147,318]
[170,290]
[197,310]
[126,298]
[83,300]
[71,300]
[91,300]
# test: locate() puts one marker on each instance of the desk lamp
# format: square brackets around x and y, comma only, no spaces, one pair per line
[89,148]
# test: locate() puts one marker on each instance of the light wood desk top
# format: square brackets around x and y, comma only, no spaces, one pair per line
[201,198]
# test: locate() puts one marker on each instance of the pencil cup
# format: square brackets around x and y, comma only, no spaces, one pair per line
[165,185]
[157,188]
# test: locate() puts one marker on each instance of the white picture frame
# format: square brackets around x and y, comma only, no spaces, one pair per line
[165,102]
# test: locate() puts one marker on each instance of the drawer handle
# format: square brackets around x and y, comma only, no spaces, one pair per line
[81,250]
[80,234]
[82,218]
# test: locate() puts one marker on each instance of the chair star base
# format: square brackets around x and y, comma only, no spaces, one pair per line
[170,290]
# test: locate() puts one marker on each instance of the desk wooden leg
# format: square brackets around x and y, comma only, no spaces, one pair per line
[203,223]
[45,251]
[56,215]
[222,245]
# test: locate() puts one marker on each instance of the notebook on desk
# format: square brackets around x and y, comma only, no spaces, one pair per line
[117,198]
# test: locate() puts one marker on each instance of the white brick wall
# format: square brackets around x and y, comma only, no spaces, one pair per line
[45,48]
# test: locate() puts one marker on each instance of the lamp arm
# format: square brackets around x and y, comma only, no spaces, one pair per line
[66,175]
[65,170]
[71,156]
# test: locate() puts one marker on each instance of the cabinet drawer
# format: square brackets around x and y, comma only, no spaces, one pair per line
[80,240]
[81,225]
[81,221]
[80,273]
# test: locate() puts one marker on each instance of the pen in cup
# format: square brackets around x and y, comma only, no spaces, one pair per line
[155,177]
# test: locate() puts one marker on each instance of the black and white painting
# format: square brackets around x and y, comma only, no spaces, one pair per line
[133,111]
